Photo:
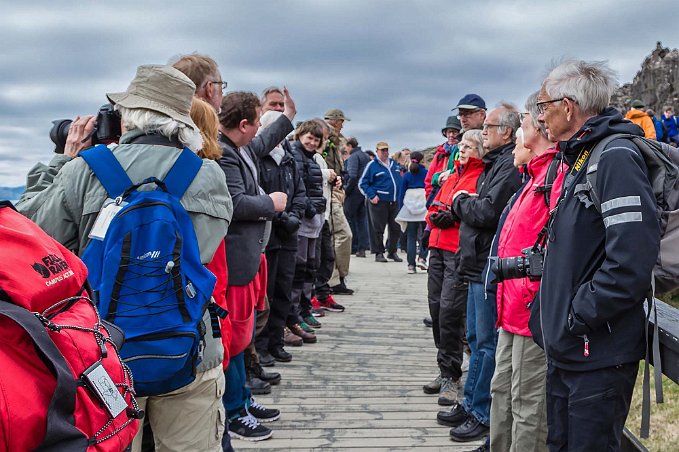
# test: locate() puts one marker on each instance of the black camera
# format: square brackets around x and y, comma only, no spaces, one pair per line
[530,264]
[106,130]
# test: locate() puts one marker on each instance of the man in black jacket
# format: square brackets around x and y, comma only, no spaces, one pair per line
[354,204]
[247,236]
[589,317]
[479,215]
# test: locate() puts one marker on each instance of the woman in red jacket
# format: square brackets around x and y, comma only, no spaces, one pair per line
[518,412]
[447,294]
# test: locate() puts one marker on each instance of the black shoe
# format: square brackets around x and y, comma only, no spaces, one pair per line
[427,322]
[360,253]
[273,378]
[394,257]
[471,430]
[453,418]
[266,360]
[247,427]
[256,385]
[341,289]
[262,413]
[379,257]
[281,355]
[483,448]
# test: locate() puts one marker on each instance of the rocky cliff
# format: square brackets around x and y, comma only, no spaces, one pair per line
[656,84]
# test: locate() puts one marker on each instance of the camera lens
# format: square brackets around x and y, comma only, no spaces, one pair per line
[511,268]
[59,133]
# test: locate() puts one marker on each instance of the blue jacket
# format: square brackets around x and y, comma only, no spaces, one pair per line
[671,124]
[659,132]
[378,180]
[410,180]
[354,167]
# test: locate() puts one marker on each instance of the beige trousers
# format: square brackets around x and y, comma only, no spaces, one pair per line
[341,236]
[518,412]
[189,419]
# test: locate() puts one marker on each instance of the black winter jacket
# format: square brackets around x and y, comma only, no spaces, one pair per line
[354,167]
[598,267]
[251,209]
[480,214]
[312,177]
[284,177]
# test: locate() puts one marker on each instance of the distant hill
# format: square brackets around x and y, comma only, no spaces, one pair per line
[11,193]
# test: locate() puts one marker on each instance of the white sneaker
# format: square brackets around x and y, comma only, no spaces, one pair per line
[422,264]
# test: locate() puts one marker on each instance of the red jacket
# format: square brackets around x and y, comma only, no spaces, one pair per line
[218,268]
[520,230]
[438,164]
[464,178]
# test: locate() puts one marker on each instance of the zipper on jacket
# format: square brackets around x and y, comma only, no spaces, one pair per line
[586,351]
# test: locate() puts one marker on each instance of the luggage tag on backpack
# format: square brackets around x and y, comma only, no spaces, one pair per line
[109,210]
[99,382]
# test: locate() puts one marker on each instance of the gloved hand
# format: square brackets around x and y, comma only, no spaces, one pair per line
[291,225]
[425,238]
[443,219]
[310,210]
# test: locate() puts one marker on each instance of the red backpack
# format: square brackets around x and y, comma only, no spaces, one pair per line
[62,384]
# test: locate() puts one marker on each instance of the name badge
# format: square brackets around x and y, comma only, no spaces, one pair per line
[109,210]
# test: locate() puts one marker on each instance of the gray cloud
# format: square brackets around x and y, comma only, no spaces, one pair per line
[395,67]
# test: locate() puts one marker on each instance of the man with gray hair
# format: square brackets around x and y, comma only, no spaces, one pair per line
[204,73]
[66,200]
[596,275]
[479,215]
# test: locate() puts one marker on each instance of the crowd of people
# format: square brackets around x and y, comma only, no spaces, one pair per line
[534,296]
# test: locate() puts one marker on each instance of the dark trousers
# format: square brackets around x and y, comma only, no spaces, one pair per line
[357,216]
[371,230]
[325,262]
[586,411]
[447,296]
[383,215]
[303,281]
[413,236]
[281,271]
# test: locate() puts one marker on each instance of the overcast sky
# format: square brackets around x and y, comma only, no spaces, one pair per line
[395,67]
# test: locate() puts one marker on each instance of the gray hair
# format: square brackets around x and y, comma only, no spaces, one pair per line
[476,136]
[269,90]
[152,121]
[589,84]
[532,109]
[509,118]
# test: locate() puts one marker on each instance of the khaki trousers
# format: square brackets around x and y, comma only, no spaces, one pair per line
[341,235]
[518,412]
[189,419]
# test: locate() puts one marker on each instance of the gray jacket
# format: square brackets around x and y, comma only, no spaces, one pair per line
[64,199]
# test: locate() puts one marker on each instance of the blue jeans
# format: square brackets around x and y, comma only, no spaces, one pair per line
[412,232]
[236,395]
[482,339]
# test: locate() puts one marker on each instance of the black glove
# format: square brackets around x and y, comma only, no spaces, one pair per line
[291,225]
[310,210]
[442,219]
[425,238]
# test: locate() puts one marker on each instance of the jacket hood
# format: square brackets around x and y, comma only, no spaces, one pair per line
[595,129]
[634,114]
[540,161]
[471,164]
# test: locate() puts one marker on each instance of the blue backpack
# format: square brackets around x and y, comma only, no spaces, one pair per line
[147,274]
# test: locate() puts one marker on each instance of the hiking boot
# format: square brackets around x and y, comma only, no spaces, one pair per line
[471,430]
[312,322]
[379,257]
[428,322]
[360,253]
[273,378]
[280,354]
[434,387]
[306,327]
[316,309]
[448,392]
[329,305]
[411,269]
[394,257]
[247,427]
[262,413]
[266,360]
[341,289]
[289,338]
[456,416]
[256,385]
[307,338]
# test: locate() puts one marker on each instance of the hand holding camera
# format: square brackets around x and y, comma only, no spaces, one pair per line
[79,135]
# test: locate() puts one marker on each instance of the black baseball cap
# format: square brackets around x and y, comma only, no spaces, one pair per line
[471,102]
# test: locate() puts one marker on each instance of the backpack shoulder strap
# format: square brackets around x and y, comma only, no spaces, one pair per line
[550,177]
[107,169]
[592,166]
[182,173]
[61,434]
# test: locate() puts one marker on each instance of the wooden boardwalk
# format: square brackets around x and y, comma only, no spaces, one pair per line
[360,386]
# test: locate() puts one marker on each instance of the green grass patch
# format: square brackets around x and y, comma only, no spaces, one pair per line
[664,417]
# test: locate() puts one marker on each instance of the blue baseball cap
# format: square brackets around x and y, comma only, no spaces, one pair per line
[471,102]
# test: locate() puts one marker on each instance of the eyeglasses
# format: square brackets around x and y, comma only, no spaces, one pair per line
[488,126]
[523,115]
[541,105]
[219,82]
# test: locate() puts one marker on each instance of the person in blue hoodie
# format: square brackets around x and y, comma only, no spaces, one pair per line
[380,184]
[672,124]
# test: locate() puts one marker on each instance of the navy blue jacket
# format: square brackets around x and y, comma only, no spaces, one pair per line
[411,180]
[589,313]
[378,180]
[354,167]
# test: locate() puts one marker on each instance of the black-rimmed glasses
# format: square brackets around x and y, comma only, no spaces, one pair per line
[541,105]
[219,82]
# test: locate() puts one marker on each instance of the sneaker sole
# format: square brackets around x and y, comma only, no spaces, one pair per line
[333,309]
[261,391]
[430,391]
[251,438]
[273,382]
[271,419]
